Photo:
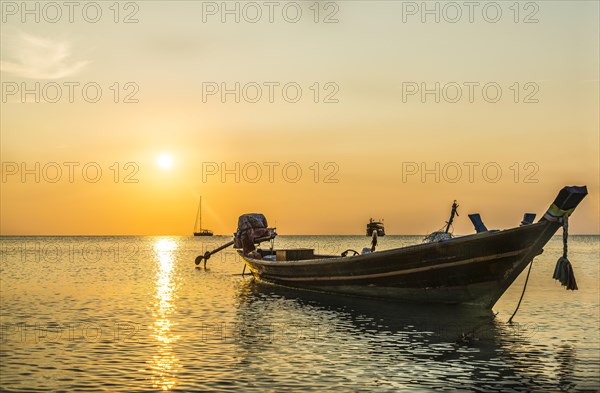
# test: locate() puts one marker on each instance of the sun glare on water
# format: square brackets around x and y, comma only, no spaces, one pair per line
[165,161]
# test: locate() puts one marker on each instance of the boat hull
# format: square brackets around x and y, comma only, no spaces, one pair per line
[203,234]
[472,270]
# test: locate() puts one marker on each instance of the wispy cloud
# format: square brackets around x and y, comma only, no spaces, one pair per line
[29,56]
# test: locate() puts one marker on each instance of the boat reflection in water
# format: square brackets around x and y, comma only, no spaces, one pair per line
[164,364]
[378,344]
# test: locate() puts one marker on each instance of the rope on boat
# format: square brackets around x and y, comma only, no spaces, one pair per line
[437,236]
[443,234]
[563,272]
[522,293]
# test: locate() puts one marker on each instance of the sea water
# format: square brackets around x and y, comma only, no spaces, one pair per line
[135,314]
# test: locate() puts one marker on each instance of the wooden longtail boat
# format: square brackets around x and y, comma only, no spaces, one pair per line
[472,270]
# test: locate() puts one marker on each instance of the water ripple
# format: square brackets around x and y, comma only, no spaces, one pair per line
[133,314]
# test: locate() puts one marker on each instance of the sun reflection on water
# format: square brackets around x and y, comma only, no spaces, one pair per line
[164,364]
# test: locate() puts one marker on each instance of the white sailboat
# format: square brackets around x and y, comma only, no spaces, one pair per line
[198,231]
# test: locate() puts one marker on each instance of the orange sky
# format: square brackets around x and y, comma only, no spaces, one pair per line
[367,131]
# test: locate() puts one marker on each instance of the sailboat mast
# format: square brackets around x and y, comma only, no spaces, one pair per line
[200,214]
[196,229]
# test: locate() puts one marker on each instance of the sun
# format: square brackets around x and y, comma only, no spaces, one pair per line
[165,161]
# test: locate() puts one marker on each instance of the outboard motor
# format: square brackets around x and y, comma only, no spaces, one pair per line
[252,229]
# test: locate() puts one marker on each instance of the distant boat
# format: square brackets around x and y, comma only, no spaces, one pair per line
[375,226]
[198,231]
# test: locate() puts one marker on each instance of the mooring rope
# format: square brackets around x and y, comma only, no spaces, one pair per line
[563,272]
[522,293]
